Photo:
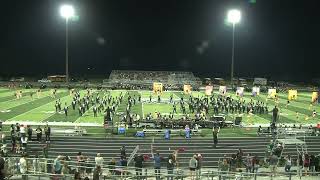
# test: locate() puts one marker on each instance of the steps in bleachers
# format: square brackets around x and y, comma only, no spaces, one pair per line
[110,147]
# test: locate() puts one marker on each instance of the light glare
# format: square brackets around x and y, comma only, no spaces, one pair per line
[67,11]
[234,16]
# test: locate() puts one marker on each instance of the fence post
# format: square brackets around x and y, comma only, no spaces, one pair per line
[255,176]
[211,175]
[146,173]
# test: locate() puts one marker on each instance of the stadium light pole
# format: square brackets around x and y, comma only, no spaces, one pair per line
[67,12]
[233,17]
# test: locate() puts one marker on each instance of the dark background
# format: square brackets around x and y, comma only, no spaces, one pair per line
[277,39]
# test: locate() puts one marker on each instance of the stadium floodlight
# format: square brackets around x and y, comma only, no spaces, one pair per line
[67,12]
[233,17]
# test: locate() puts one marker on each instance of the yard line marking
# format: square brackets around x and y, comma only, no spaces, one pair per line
[29,101]
[37,107]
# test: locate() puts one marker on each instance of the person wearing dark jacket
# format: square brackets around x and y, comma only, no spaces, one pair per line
[138,165]
[170,166]
[29,131]
[96,173]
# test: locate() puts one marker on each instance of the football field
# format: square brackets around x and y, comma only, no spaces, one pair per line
[41,107]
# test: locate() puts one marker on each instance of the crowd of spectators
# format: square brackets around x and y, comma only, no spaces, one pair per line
[306,164]
[171,80]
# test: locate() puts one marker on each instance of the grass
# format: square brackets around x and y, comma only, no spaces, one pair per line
[42,109]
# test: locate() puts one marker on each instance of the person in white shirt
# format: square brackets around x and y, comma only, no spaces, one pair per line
[23,164]
[22,130]
[24,141]
[99,160]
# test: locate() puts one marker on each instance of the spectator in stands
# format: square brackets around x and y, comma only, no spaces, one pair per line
[199,165]
[23,165]
[57,167]
[13,142]
[317,163]
[65,169]
[167,133]
[47,131]
[312,163]
[233,163]
[259,130]
[157,165]
[248,163]
[99,160]
[192,166]
[4,144]
[97,173]
[123,161]
[29,130]
[170,165]
[288,163]
[39,134]
[81,163]
[88,166]
[278,150]
[215,132]
[22,130]
[2,168]
[138,159]
[24,141]
[255,164]
[111,165]
[306,164]
[273,161]
[123,151]
[77,176]
[18,128]
[239,156]
[224,166]
[45,151]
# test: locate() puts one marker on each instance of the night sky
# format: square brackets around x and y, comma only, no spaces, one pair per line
[276,38]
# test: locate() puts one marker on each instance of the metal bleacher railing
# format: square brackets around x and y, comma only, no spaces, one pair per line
[41,168]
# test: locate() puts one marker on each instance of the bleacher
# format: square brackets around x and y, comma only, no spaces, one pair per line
[109,147]
[170,79]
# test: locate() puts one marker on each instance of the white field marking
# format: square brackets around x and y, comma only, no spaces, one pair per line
[5,111]
[24,102]
[36,108]
[15,99]
[48,112]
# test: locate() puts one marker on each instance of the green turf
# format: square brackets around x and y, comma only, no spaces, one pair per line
[88,117]
[9,95]
[29,105]
[42,109]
